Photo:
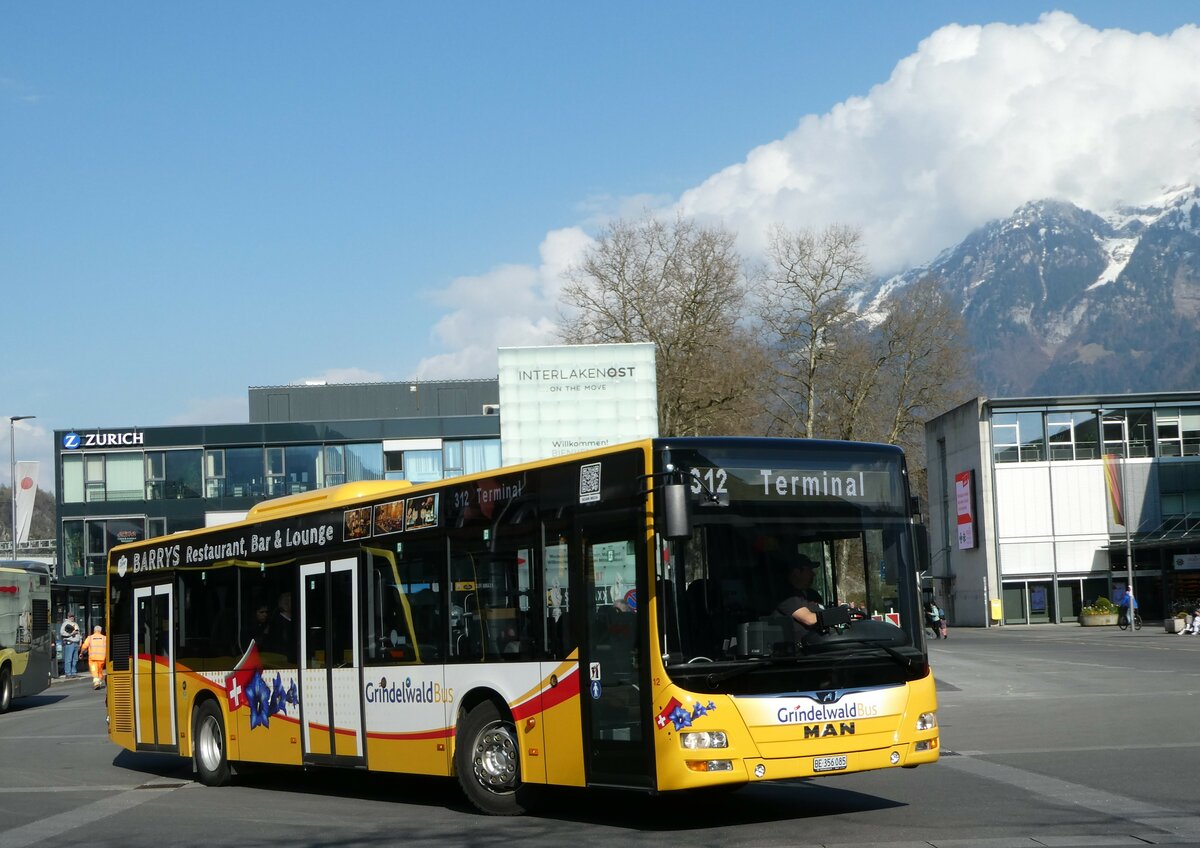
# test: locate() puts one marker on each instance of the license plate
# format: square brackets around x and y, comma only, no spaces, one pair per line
[829,763]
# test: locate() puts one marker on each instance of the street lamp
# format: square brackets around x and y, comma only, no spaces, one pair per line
[1119,418]
[12,470]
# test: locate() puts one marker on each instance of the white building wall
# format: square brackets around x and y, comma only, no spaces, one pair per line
[1023,501]
[1027,557]
[1082,556]
[969,573]
[1051,517]
[1080,506]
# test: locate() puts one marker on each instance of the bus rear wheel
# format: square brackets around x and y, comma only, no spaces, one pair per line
[488,761]
[208,737]
[6,687]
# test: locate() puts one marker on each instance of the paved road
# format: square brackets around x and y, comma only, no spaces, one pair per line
[1053,736]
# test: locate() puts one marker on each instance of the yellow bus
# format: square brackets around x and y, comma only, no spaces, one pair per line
[26,643]
[609,618]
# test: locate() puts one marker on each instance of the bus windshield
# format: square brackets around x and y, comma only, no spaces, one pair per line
[828,526]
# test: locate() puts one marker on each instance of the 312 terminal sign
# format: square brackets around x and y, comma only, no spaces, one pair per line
[779,483]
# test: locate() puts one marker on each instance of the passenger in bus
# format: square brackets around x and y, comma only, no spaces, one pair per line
[261,630]
[282,631]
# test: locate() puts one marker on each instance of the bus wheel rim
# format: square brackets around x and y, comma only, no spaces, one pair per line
[496,758]
[210,745]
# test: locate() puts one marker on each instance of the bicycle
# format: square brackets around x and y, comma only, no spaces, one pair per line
[1123,620]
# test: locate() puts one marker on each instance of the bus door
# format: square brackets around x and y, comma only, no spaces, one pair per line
[613,684]
[154,668]
[331,699]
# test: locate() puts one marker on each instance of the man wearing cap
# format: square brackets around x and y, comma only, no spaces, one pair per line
[805,602]
[71,637]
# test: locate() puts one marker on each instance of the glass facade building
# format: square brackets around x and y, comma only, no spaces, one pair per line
[1068,493]
[118,485]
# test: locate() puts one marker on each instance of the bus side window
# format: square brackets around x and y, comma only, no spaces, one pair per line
[406,604]
[556,583]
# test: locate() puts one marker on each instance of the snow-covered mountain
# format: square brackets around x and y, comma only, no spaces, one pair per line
[1060,300]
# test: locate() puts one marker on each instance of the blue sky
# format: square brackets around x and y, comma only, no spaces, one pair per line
[198,198]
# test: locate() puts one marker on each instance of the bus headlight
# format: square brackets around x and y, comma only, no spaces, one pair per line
[695,740]
[926,721]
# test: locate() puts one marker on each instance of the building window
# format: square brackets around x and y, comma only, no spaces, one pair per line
[394,465]
[214,473]
[1128,432]
[174,474]
[1190,424]
[243,472]
[155,474]
[1179,431]
[335,465]
[72,472]
[364,462]
[1018,437]
[1073,435]
[86,543]
[1179,488]
[124,478]
[1170,441]
[93,477]
[452,459]
[481,455]
[300,464]
[276,478]
[423,466]
[72,548]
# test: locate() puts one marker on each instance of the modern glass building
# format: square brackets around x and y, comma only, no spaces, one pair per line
[1039,505]
[121,484]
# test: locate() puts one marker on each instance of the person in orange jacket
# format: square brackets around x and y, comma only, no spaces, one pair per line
[96,648]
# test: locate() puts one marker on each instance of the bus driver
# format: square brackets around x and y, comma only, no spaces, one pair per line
[805,605]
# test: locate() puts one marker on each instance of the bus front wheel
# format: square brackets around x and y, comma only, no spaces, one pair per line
[6,687]
[208,737]
[488,761]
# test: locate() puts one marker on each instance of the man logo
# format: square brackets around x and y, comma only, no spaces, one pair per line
[829,696]
[122,566]
[71,441]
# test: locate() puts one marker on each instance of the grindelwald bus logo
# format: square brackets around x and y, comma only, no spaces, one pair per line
[407,692]
[71,441]
[122,565]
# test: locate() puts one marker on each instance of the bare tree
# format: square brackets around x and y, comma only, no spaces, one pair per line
[928,367]
[808,284]
[680,286]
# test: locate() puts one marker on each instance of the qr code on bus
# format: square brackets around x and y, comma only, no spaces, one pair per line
[589,483]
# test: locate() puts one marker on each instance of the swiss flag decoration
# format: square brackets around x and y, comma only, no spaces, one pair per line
[664,718]
[237,682]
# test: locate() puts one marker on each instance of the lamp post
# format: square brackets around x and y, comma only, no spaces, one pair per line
[12,470]
[1121,420]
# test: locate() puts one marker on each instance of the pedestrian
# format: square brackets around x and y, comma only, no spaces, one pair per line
[96,648]
[933,619]
[1193,626]
[945,630]
[71,637]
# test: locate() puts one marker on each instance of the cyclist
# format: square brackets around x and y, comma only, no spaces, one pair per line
[1127,601]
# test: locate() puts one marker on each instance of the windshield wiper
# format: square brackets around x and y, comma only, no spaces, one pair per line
[743,667]
[904,660]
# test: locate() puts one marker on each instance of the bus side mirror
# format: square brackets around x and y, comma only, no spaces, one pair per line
[676,511]
[921,535]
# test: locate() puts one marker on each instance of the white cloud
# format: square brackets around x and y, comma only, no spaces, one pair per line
[509,306]
[977,121]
